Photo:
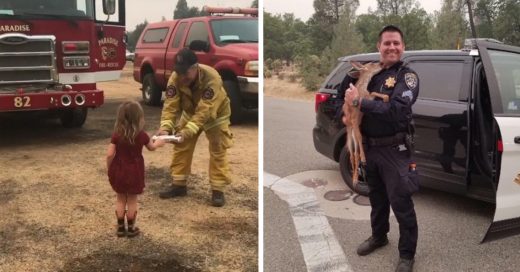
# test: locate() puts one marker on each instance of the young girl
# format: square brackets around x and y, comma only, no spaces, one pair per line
[125,163]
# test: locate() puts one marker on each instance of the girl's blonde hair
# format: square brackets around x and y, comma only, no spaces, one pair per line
[129,121]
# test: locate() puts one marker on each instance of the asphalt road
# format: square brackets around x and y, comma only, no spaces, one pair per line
[450,227]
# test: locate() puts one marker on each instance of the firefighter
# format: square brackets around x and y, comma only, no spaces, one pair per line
[196,101]
[391,174]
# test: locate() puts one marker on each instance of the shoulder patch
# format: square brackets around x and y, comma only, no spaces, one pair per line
[171,91]
[408,94]
[208,94]
[411,80]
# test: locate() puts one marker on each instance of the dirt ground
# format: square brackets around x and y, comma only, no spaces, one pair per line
[57,207]
[275,87]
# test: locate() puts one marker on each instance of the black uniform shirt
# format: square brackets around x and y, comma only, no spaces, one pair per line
[382,119]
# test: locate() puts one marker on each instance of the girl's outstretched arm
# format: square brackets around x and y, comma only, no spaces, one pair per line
[111,153]
[153,145]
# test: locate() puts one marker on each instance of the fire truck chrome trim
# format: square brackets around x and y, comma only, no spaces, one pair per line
[36,56]
[79,99]
[66,100]
[76,62]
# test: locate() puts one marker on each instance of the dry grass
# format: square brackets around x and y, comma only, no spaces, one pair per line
[284,88]
[57,208]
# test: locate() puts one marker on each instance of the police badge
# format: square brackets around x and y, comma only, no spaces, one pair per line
[411,80]
[208,94]
[171,91]
[390,82]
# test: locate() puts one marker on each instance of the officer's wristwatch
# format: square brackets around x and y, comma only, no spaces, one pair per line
[355,102]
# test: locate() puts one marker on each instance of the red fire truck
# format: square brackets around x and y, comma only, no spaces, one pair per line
[52,53]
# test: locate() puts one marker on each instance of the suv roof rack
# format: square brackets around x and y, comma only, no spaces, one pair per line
[221,11]
[470,44]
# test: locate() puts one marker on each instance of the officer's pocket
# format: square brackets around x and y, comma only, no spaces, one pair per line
[410,182]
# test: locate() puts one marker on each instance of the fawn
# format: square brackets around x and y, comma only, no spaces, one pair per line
[352,115]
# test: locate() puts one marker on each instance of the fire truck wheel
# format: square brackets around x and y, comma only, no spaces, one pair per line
[74,118]
[237,112]
[151,92]
[346,173]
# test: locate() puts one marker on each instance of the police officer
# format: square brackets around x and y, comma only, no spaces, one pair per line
[196,101]
[390,172]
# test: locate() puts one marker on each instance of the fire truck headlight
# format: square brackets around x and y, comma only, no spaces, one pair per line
[251,68]
[82,62]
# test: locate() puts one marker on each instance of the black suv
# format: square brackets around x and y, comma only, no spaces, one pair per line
[467,122]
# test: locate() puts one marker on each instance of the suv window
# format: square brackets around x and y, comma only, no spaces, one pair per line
[178,35]
[337,76]
[198,31]
[507,72]
[155,35]
[439,80]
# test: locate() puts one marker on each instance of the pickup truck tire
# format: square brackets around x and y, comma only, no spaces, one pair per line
[73,118]
[237,112]
[151,92]
[346,173]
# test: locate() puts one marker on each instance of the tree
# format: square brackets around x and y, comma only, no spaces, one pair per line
[254,4]
[416,26]
[183,11]
[273,35]
[507,23]
[394,7]
[326,15]
[285,37]
[133,36]
[369,25]
[346,40]
[451,28]
[485,14]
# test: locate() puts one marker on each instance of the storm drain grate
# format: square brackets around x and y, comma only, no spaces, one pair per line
[338,195]
[362,200]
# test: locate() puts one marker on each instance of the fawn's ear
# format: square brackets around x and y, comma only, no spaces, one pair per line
[353,73]
[357,65]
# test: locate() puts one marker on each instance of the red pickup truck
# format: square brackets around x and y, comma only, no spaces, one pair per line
[228,43]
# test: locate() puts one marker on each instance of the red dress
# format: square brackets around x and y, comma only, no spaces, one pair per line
[126,173]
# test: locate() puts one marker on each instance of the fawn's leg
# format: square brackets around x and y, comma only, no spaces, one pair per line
[382,96]
[350,146]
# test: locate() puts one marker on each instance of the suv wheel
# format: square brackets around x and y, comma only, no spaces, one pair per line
[151,92]
[73,118]
[346,173]
[237,112]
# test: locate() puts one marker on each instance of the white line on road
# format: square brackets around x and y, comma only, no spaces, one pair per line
[320,248]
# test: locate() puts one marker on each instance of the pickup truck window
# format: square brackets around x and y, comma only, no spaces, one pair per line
[235,31]
[198,31]
[179,34]
[155,35]
[507,71]
[439,80]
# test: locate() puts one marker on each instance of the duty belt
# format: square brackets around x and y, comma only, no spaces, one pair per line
[397,139]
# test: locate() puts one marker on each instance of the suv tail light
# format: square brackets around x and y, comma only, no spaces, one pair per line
[500,146]
[320,98]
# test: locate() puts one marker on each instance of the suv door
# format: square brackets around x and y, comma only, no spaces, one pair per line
[441,117]
[502,67]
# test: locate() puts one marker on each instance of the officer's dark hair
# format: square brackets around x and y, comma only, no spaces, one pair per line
[391,28]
